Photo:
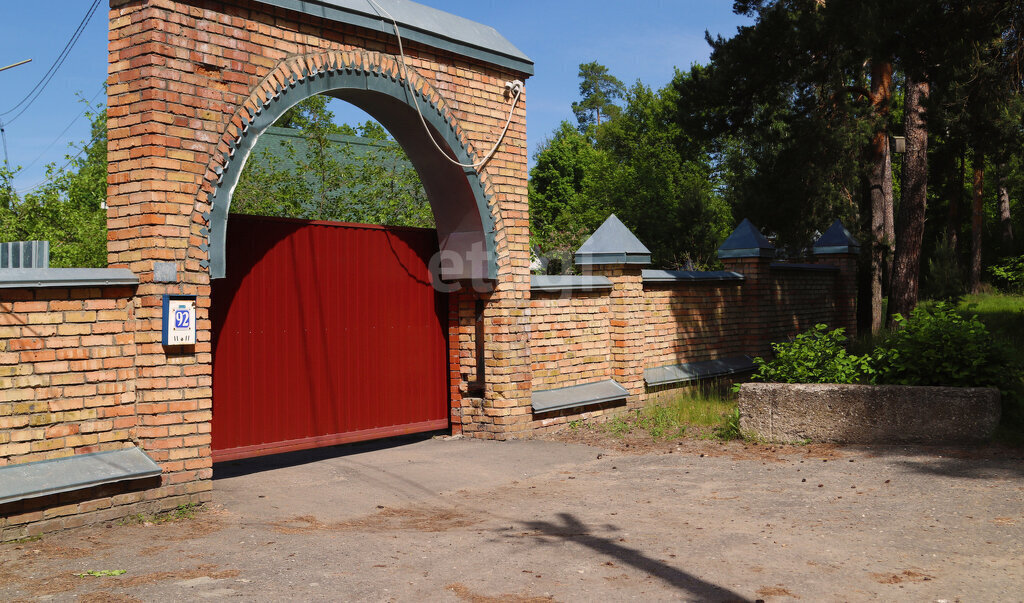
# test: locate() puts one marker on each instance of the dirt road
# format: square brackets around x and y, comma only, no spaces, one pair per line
[462,520]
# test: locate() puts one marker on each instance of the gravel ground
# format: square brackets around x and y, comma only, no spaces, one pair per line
[543,520]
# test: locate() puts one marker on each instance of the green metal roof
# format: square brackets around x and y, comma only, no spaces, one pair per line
[276,141]
[422,24]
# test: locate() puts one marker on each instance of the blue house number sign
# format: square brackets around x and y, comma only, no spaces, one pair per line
[179,320]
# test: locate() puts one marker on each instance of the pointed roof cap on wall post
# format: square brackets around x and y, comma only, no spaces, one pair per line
[836,240]
[612,243]
[746,242]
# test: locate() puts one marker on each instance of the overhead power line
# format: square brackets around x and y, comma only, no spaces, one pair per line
[62,168]
[36,90]
[65,131]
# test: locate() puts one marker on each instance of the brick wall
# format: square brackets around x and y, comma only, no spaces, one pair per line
[69,370]
[570,340]
[578,338]
[691,322]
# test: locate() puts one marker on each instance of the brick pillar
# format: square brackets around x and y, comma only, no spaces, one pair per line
[615,252]
[156,157]
[747,252]
[627,331]
[844,290]
[838,248]
[758,316]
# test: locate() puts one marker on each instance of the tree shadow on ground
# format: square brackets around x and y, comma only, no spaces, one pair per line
[571,529]
[991,461]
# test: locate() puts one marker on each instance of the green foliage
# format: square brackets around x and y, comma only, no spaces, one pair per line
[101,573]
[1009,274]
[816,356]
[730,430]
[1003,315]
[936,346]
[598,91]
[563,212]
[182,512]
[639,165]
[660,422]
[939,346]
[68,209]
[710,413]
[659,182]
[774,107]
[620,426]
[943,277]
[331,178]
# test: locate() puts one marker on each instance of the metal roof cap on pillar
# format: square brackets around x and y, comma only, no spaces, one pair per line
[746,242]
[419,23]
[836,240]
[612,243]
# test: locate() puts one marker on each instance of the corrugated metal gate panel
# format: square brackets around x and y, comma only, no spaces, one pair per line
[325,333]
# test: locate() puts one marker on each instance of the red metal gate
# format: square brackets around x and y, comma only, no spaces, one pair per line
[325,333]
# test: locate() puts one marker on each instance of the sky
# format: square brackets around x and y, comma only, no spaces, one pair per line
[637,40]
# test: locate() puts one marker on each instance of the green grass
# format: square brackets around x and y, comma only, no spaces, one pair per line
[179,513]
[705,412]
[1003,315]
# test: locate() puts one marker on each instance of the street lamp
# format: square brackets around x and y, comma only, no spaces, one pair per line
[16,64]
[3,134]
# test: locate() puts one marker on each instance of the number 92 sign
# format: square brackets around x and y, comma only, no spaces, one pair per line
[179,320]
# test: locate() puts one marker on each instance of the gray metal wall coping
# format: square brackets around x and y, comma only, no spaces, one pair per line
[746,241]
[547,283]
[687,276]
[750,252]
[837,249]
[21,278]
[694,371]
[53,476]
[561,398]
[810,267]
[836,239]
[612,243]
[421,24]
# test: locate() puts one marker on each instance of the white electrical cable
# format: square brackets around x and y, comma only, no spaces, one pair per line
[517,86]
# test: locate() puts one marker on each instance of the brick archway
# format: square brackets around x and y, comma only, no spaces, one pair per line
[193,82]
[374,82]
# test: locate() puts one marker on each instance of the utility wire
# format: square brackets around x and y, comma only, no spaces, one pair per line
[516,86]
[65,131]
[62,168]
[34,93]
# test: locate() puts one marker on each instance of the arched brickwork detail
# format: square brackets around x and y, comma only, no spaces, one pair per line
[186,79]
[299,76]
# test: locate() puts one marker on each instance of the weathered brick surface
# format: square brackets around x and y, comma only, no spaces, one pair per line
[66,392]
[692,322]
[570,341]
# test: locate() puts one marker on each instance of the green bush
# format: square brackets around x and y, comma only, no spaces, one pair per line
[1008,275]
[817,356]
[941,347]
[932,347]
